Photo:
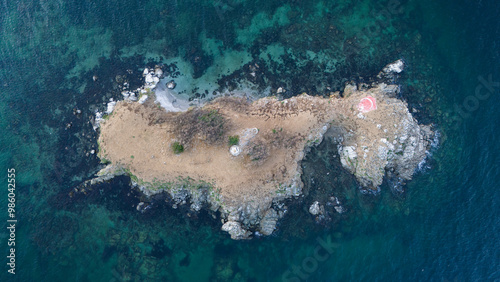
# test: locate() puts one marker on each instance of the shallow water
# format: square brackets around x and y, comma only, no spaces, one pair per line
[443,227]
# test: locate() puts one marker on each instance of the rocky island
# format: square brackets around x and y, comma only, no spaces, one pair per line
[242,157]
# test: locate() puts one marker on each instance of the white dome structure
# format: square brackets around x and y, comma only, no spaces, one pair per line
[235,150]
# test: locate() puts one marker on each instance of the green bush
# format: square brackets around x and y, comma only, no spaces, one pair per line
[177,147]
[234,140]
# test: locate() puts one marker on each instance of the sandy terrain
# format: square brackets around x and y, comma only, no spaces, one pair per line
[132,138]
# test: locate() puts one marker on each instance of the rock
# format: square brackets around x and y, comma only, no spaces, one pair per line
[145,72]
[391,70]
[106,174]
[314,209]
[394,67]
[125,94]
[132,97]
[389,89]
[139,206]
[143,99]
[149,79]
[171,84]
[348,157]
[111,107]
[350,89]
[268,222]
[97,120]
[158,72]
[339,209]
[235,230]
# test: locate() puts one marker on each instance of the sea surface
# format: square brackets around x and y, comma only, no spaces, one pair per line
[60,61]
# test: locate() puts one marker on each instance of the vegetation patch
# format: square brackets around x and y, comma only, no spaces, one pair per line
[208,125]
[177,147]
[234,140]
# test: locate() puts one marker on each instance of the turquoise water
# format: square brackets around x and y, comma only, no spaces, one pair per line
[444,227]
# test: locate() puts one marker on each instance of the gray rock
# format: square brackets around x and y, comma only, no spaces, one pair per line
[268,222]
[314,209]
[236,231]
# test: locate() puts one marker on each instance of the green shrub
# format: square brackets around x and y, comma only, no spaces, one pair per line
[234,140]
[177,147]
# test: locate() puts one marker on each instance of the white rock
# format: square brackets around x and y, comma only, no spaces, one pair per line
[235,230]
[149,79]
[125,94]
[350,151]
[314,208]
[339,209]
[98,120]
[111,107]
[158,72]
[132,97]
[145,72]
[143,99]
[347,156]
[171,84]
[395,67]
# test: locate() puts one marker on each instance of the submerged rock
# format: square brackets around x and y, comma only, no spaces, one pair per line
[171,84]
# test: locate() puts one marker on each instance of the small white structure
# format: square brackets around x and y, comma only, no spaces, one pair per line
[235,150]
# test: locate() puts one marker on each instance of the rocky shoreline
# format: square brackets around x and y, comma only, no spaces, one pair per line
[376,134]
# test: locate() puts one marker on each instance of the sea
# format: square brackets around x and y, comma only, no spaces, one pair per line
[61,61]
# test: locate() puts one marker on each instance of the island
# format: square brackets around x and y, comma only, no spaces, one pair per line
[242,157]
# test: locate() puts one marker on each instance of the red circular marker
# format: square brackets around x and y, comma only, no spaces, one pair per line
[367,104]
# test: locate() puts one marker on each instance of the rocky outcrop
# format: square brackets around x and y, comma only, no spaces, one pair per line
[385,140]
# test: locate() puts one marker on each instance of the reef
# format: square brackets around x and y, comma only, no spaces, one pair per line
[240,157]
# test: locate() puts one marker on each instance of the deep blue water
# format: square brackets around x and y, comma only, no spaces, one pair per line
[444,227]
